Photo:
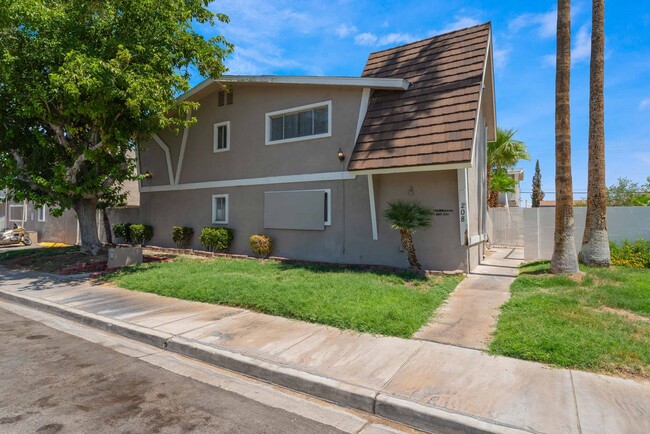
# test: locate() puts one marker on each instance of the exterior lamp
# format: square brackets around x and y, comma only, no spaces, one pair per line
[147,175]
[341,155]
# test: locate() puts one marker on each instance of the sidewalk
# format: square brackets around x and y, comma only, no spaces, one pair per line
[469,316]
[428,385]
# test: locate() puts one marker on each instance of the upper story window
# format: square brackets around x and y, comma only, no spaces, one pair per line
[311,121]
[221,137]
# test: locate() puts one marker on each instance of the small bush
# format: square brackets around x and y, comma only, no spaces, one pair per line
[216,239]
[261,245]
[122,231]
[141,234]
[182,236]
[634,255]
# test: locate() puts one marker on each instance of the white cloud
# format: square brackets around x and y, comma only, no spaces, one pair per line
[366,39]
[582,45]
[544,23]
[460,22]
[645,104]
[501,58]
[343,31]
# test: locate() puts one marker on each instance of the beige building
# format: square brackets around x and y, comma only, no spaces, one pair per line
[314,161]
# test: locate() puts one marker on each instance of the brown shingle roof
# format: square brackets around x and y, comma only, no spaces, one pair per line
[432,122]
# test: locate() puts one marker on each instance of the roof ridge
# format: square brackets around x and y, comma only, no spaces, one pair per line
[465,29]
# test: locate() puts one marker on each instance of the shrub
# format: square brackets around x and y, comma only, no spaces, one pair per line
[182,236]
[141,234]
[261,245]
[634,255]
[123,231]
[216,239]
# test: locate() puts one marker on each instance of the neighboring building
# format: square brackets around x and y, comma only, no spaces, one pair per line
[264,157]
[513,199]
[63,229]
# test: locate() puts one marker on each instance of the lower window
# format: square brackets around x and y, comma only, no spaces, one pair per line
[220,209]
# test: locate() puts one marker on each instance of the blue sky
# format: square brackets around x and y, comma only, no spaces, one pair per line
[335,37]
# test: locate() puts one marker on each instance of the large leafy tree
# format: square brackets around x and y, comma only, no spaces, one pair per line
[564,259]
[595,241]
[502,154]
[81,82]
[628,193]
[407,217]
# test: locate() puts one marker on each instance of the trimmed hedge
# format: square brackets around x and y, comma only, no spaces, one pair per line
[141,234]
[182,236]
[123,231]
[261,245]
[216,239]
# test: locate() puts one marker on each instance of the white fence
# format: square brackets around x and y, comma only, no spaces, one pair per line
[534,228]
[623,223]
[507,227]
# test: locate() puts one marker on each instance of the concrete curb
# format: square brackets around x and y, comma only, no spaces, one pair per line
[411,413]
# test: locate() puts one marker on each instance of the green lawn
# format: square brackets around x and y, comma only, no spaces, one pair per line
[600,324]
[383,303]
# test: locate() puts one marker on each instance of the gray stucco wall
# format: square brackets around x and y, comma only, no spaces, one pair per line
[54,229]
[249,156]
[347,240]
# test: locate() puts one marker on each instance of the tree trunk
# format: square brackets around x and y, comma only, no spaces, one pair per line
[595,241]
[564,260]
[107,226]
[409,248]
[86,210]
[493,196]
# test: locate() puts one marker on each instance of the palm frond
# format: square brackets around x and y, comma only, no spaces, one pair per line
[408,216]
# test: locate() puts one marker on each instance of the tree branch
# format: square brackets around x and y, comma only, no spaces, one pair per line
[60,135]
[71,175]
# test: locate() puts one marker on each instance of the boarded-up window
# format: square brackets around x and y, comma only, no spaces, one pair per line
[300,210]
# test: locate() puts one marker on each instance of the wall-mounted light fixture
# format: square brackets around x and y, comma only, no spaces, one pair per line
[341,155]
[411,192]
[147,175]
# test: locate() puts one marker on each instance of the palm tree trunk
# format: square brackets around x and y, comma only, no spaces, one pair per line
[564,260]
[595,242]
[409,248]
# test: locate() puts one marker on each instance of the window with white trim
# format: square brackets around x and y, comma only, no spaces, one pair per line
[221,141]
[220,209]
[40,214]
[307,122]
[16,213]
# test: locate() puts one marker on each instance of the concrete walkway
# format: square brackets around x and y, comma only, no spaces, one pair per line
[431,386]
[469,316]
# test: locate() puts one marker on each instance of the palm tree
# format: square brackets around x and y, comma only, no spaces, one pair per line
[564,260]
[502,154]
[406,217]
[595,242]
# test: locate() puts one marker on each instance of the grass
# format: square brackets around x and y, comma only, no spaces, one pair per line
[374,302]
[601,323]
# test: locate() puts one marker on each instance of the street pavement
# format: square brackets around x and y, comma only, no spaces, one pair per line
[53,382]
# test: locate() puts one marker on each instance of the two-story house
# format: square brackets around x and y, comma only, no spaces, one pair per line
[314,161]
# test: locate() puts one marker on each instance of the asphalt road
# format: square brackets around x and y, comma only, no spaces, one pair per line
[53,382]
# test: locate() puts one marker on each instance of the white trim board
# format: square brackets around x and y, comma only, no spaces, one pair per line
[480,95]
[373,208]
[429,168]
[181,155]
[168,156]
[286,179]
[363,110]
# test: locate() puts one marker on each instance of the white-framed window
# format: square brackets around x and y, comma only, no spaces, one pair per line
[307,122]
[221,141]
[40,214]
[16,213]
[220,209]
